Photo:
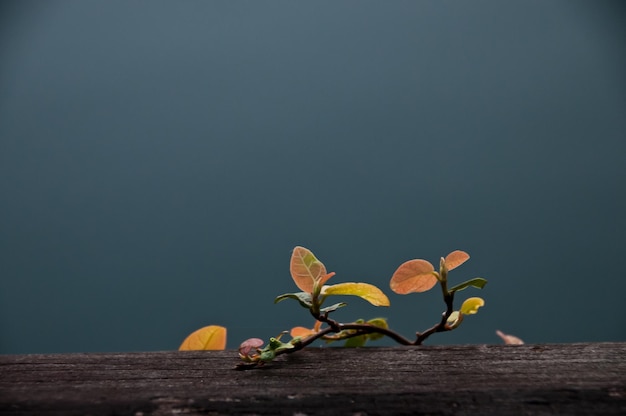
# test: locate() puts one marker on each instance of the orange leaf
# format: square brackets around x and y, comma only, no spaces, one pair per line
[302,332]
[413,276]
[212,337]
[325,278]
[455,259]
[306,269]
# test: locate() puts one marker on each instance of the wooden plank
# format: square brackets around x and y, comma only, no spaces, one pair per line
[572,379]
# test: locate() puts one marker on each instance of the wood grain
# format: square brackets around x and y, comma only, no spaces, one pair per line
[572,379]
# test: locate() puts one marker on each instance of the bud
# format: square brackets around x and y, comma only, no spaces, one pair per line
[443,270]
[454,320]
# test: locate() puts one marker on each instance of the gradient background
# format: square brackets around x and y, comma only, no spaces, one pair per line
[159,161]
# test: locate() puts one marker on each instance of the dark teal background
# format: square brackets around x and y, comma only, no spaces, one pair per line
[159,160]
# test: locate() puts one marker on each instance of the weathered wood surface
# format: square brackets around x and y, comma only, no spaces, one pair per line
[567,379]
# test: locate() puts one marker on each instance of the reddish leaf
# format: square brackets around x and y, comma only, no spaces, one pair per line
[413,276]
[251,344]
[455,259]
[306,269]
[509,339]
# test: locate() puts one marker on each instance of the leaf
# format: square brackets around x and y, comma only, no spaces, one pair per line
[325,278]
[471,305]
[413,276]
[306,269]
[454,320]
[212,337]
[356,341]
[303,332]
[370,293]
[379,322]
[477,282]
[251,344]
[455,259]
[283,346]
[300,331]
[303,298]
[509,339]
[333,308]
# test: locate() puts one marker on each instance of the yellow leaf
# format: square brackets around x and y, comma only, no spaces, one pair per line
[413,276]
[471,305]
[370,293]
[212,337]
[306,269]
[455,259]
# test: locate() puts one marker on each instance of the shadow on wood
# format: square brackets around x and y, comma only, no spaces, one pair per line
[444,380]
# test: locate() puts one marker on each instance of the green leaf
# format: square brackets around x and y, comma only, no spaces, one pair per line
[370,293]
[477,282]
[379,322]
[284,346]
[303,298]
[471,305]
[333,308]
[356,342]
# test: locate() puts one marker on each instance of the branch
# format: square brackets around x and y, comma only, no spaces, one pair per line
[441,326]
